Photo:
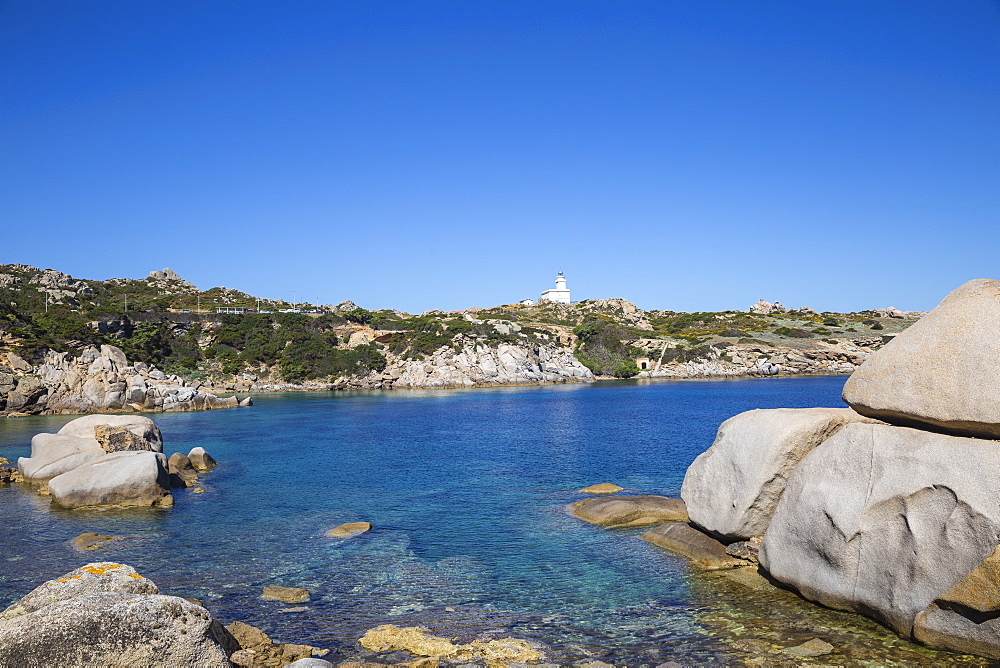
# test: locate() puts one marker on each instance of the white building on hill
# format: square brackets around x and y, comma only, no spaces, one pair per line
[560,294]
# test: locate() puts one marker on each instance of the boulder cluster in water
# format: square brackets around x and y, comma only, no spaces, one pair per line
[102,460]
[889,508]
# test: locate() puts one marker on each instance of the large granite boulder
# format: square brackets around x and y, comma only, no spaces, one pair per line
[942,371]
[54,454]
[883,520]
[103,576]
[142,427]
[106,614]
[732,488]
[619,512]
[119,478]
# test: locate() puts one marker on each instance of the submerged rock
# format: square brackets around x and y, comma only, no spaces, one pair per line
[419,642]
[629,511]
[285,594]
[349,529]
[702,549]
[91,541]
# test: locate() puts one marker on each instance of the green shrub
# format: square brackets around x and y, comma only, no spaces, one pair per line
[792,332]
[822,331]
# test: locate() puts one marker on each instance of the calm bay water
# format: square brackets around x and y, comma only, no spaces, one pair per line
[466,490]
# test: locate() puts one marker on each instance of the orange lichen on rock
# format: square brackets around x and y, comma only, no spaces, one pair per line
[100,570]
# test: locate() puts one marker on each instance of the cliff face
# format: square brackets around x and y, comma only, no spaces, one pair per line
[98,381]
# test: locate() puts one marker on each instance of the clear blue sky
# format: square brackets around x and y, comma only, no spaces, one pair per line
[692,155]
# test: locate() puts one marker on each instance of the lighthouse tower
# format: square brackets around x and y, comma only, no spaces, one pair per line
[560,294]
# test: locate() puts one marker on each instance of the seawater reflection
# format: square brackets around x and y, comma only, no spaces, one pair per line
[466,490]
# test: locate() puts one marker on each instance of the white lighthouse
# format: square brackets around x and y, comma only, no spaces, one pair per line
[560,294]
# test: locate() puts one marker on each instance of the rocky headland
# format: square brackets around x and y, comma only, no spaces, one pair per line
[887,508]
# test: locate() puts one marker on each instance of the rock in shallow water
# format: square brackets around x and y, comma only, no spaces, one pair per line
[286,594]
[349,529]
[732,488]
[601,488]
[629,511]
[703,550]
[883,520]
[121,478]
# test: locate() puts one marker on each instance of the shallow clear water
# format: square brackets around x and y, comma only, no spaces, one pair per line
[466,490]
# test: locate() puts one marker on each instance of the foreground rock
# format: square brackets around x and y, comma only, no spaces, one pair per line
[419,642]
[120,479]
[706,552]
[619,512]
[942,371]
[883,520]
[201,460]
[256,649]
[106,614]
[732,488]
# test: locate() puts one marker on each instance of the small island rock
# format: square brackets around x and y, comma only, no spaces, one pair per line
[201,460]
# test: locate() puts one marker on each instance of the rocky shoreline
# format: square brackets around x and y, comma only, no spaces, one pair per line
[98,381]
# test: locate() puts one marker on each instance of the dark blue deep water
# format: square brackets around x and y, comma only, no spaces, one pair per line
[466,490]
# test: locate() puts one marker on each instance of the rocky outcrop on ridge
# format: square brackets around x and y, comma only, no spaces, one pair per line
[898,523]
[98,381]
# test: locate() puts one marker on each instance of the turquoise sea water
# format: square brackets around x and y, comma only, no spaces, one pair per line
[467,491]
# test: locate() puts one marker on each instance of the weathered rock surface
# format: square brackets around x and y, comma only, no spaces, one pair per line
[102,576]
[965,618]
[732,488]
[55,454]
[702,549]
[349,529]
[106,614]
[629,511]
[120,478]
[883,520]
[147,434]
[941,372]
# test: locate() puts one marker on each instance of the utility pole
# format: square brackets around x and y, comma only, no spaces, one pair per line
[126,304]
[294,298]
[46,302]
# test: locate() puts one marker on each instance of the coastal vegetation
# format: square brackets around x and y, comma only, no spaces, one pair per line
[234,335]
